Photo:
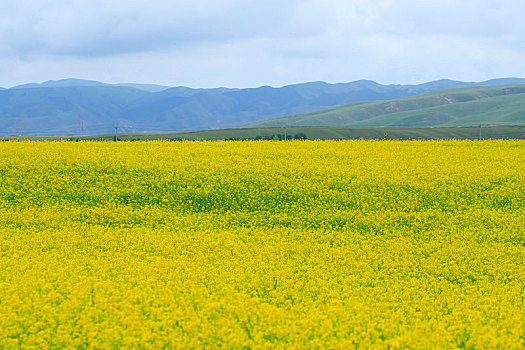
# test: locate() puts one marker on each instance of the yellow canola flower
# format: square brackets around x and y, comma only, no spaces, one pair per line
[302,244]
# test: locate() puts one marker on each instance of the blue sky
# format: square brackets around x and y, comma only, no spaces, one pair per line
[247,43]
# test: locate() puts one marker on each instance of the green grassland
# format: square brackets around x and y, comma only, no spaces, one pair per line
[312,133]
[502,105]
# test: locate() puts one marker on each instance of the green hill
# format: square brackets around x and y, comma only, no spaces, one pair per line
[501,105]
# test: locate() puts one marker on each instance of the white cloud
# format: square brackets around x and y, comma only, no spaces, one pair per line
[249,43]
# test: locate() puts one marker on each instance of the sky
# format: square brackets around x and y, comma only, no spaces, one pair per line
[249,43]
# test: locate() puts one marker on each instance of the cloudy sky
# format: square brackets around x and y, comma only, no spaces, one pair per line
[246,43]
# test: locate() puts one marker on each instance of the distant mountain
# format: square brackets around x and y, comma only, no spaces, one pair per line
[60,83]
[500,105]
[232,108]
[73,106]
[63,110]
[145,87]
[502,81]
[176,109]
[82,82]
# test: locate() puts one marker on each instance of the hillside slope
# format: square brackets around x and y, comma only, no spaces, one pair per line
[502,105]
[74,106]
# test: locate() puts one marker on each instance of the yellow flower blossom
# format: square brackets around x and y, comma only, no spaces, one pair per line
[302,244]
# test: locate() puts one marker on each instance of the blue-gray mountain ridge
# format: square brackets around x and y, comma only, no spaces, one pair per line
[74,106]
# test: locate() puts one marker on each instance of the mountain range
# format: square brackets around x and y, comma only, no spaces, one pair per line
[82,82]
[74,106]
[495,105]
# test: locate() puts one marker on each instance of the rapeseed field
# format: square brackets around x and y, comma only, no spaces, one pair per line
[303,244]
